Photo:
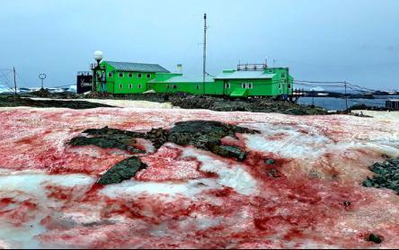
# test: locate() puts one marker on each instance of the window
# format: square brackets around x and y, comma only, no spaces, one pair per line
[148,75]
[139,86]
[289,85]
[110,74]
[139,75]
[250,85]
[174,87]
[282,75]
[130,75]
[120,74]
[197,87]
[168,87]
[130,86]
[120,86]
[227,85]
[244,85]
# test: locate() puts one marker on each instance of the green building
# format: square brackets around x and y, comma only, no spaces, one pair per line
[247,80]
[175,83]
[243,82]
[126,78]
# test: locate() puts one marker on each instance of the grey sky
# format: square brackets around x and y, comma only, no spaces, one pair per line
[357,41]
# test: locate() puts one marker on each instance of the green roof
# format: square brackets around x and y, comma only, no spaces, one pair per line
[183,79]
[137,67]
[245,75]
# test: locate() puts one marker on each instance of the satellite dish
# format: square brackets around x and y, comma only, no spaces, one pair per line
[98,55]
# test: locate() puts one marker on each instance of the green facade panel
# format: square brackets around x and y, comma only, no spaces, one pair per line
[124,78]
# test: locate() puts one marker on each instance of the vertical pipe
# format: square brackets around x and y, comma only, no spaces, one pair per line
[204,57]
[15,80]
[346,97]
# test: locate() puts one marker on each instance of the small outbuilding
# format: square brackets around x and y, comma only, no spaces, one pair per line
[392,104]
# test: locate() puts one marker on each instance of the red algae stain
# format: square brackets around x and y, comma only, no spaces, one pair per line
[22,212]
[167,164]
[61,193]
[4,202]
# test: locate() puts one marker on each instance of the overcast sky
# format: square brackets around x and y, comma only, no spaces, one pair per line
[323,40]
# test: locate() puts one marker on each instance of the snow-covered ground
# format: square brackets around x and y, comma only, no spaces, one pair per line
[118,103]
[189,198]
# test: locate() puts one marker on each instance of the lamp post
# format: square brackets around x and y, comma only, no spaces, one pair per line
[98,56]
[42,76]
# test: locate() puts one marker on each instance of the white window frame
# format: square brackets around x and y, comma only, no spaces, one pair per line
[130,86]
[120,85]
[250,85]
[110,74]
[244,85]
[139,75]
[139,86]
[148,76]
[130,75]
[121,74]
[227,85]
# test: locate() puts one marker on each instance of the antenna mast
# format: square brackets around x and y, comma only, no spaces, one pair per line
[15,80]
[204,58]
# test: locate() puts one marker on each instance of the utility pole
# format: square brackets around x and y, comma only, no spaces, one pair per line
[204,58]
[312,98]
[346,98]
[15,80]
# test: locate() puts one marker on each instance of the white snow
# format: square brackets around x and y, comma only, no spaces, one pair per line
[133,188]
[233,176]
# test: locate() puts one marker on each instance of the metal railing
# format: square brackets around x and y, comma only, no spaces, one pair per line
[251,67]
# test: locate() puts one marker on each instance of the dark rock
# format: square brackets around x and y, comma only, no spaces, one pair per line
[270,161]
[157,136]
[386,175]
[207,135]
[229,151]
[274,173]
[124,170]
[12,101]
[106,142]
[377,239]
[347,203]
[267,105]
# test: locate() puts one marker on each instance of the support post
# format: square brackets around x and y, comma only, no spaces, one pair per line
[346,98]
[204,57]
[15,80]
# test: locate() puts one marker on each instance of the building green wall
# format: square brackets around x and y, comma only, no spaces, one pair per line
[175,83]
[126,84]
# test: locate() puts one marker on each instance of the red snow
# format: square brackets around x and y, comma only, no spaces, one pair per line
[297,203]
[20,213]
[167,164]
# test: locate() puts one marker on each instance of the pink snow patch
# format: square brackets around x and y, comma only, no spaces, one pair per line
[167,164]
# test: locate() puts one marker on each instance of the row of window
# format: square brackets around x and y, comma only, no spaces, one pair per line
[130,86]
[175,87]
[244,85]
[121,74]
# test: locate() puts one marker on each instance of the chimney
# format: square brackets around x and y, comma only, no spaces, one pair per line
[180,68]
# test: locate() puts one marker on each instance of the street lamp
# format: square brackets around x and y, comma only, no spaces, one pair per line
[42,77]
[98,56]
